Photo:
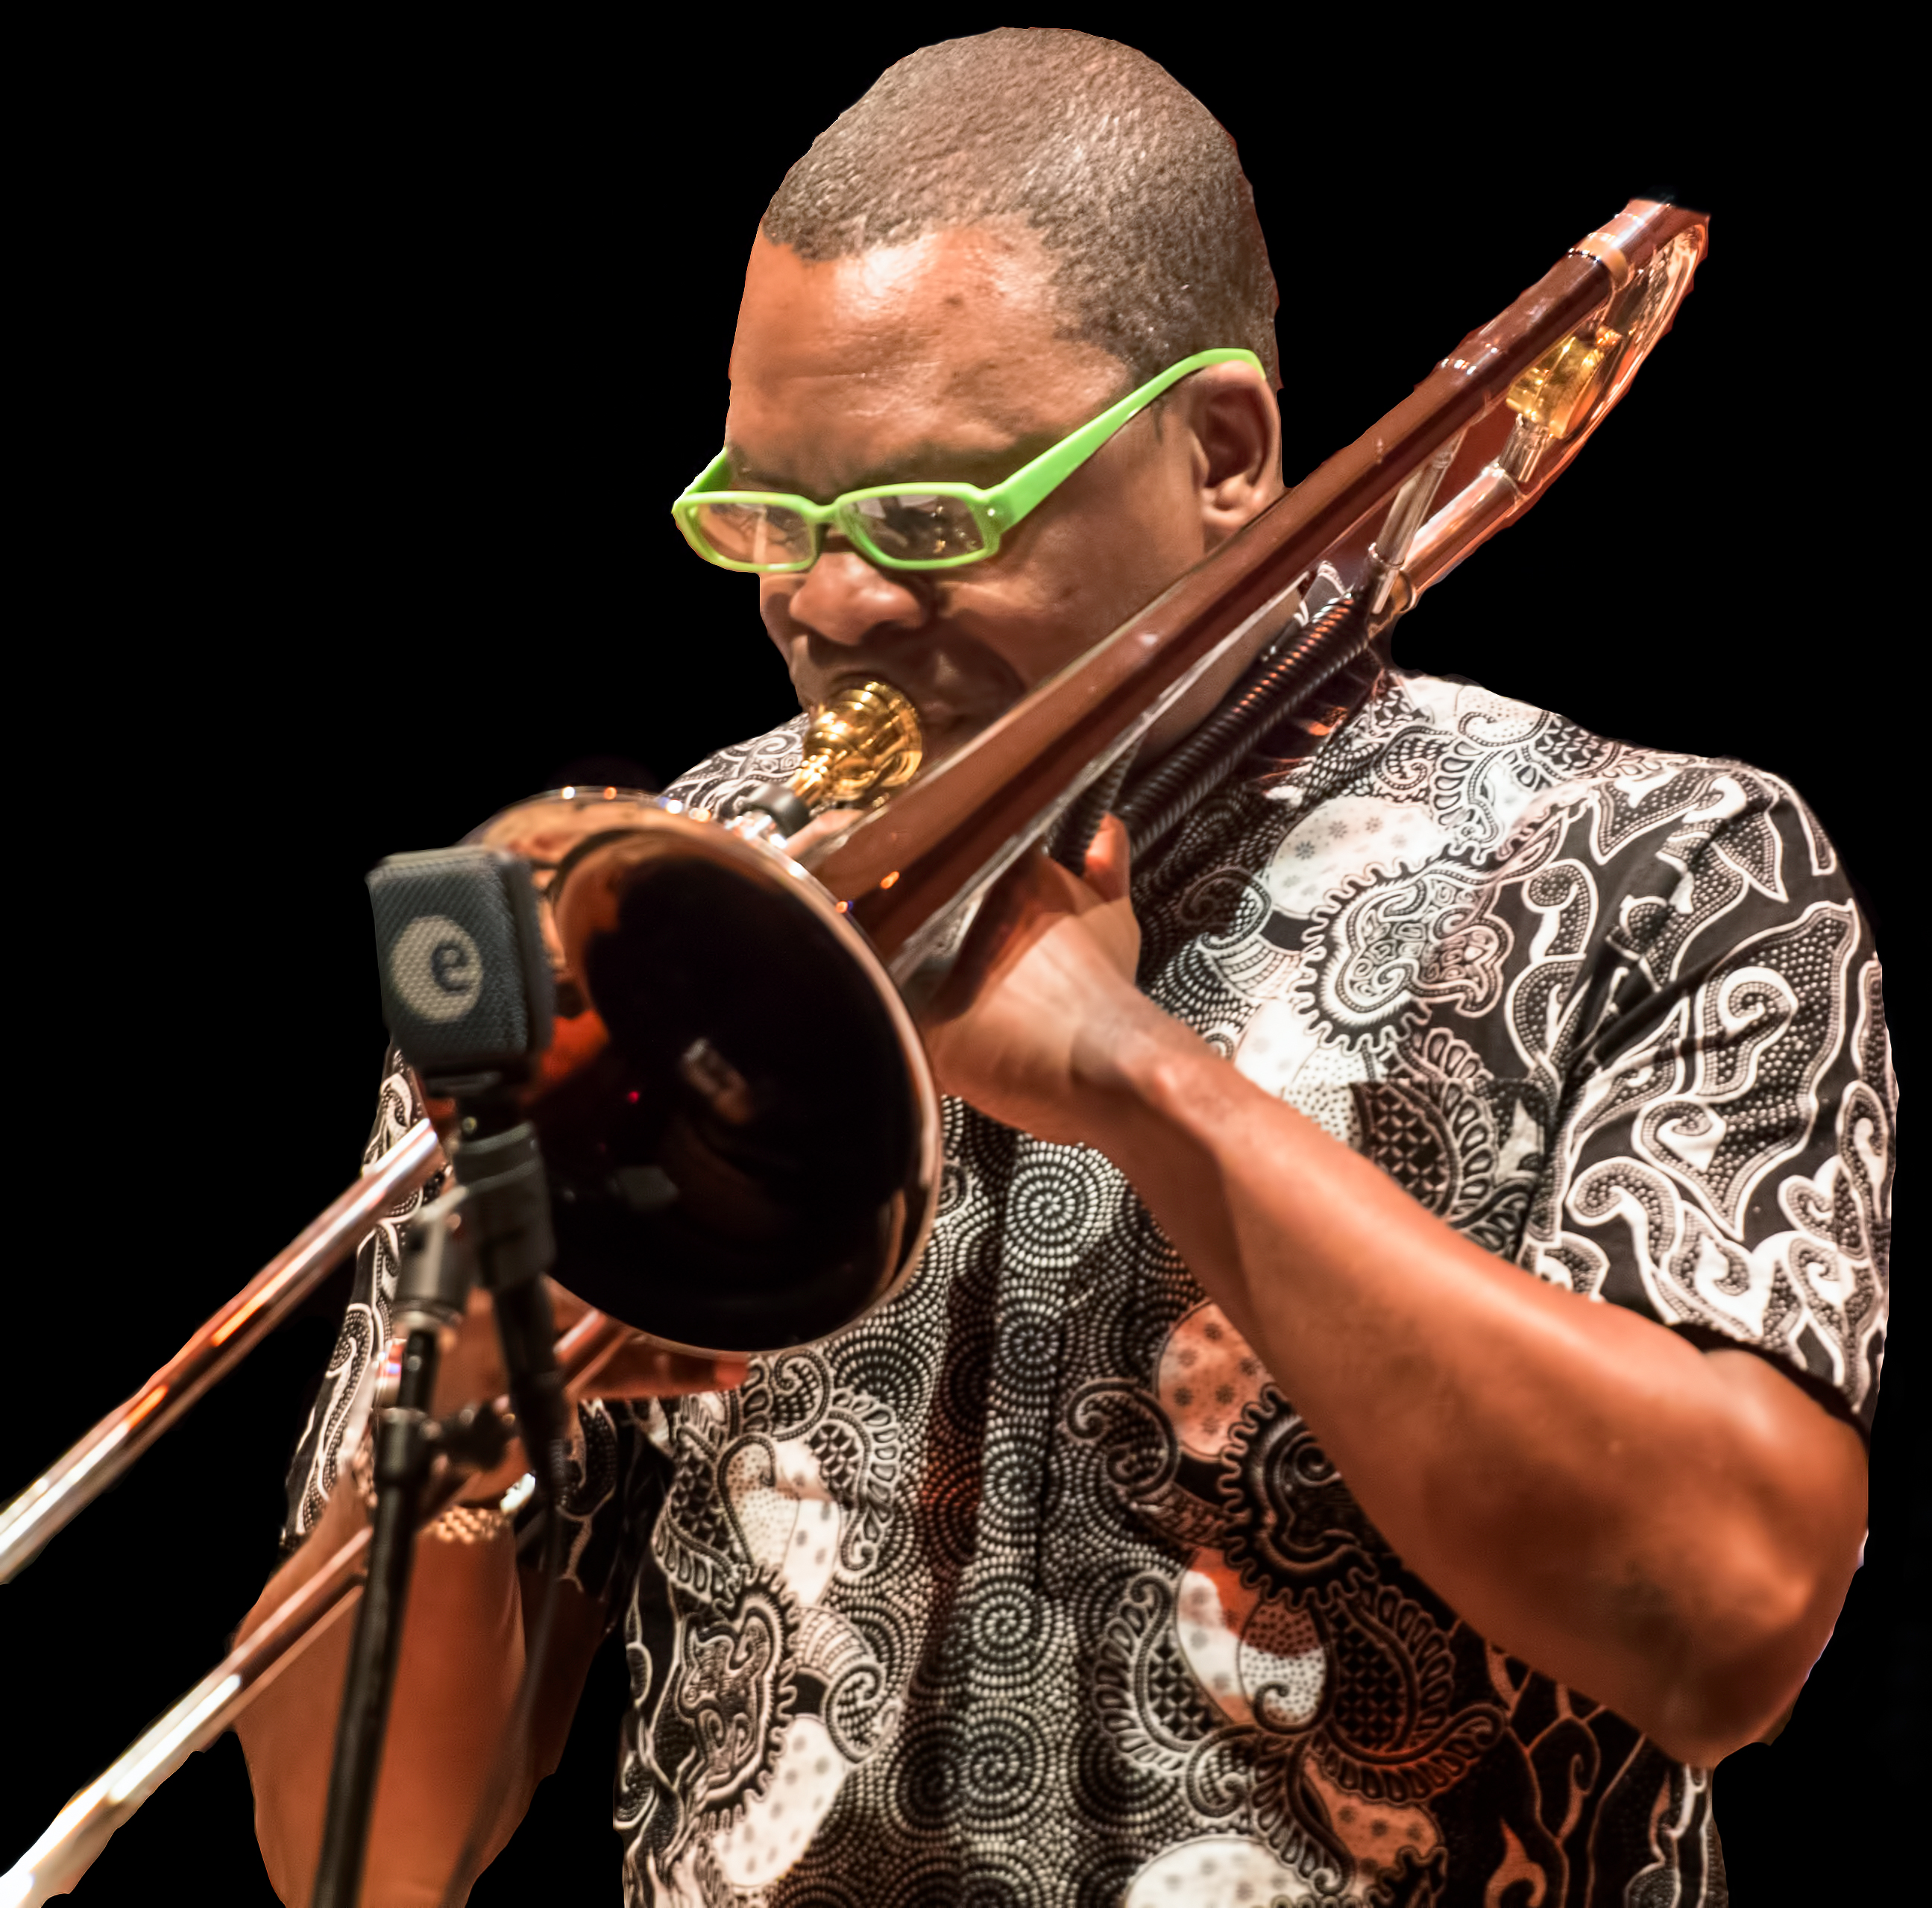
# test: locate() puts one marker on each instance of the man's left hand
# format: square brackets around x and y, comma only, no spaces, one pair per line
[1044,991]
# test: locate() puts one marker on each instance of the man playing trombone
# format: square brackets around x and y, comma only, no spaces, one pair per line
[1412,1254]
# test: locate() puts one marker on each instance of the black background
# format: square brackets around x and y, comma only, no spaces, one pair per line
[360,377]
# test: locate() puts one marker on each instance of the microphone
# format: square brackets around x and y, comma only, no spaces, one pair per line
[469,997]
[467,993]
[467,985]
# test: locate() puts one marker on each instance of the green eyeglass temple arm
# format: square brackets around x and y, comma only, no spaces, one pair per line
[1006,503]
[1032,483]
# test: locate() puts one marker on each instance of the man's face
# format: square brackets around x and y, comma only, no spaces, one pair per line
[937,360]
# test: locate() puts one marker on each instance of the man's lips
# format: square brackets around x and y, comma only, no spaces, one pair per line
[937,717]
[957,684]
[940,710]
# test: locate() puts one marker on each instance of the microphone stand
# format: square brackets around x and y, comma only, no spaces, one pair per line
[502,1205]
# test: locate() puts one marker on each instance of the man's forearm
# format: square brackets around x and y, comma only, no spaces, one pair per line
[461,1656]
[1669,1532]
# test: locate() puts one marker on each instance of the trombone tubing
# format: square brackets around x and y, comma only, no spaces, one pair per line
[904,866]
[76,1837]
[220,1344]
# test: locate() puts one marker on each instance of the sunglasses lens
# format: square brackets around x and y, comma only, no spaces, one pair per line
[763,534]
[919,528]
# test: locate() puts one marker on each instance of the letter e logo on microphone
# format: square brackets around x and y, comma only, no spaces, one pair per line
[435,969]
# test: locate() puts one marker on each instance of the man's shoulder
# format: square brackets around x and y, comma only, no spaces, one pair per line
[713,782]
[1491,767]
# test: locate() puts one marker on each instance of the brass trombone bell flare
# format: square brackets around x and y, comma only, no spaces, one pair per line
[739,1126]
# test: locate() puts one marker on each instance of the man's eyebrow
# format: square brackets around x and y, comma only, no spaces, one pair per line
[747,476]
[928,463]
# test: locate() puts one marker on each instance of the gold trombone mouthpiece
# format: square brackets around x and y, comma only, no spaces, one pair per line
[861,744]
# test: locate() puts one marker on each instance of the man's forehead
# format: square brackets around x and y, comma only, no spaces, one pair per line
[950,340]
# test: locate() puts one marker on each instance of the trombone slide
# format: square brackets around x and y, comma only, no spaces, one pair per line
[75,1836]
[219,1344]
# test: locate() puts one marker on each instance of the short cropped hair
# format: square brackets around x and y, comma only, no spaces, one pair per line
[1133,185]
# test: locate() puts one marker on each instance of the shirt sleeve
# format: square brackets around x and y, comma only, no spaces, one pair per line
[618,1461]
[1722,1157]
[341,1412]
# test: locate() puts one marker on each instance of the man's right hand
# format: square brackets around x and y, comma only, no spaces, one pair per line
[471,1370]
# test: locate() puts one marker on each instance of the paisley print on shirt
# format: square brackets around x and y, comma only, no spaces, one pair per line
[1034,1587]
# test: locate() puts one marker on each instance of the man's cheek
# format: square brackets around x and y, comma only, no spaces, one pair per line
[775,607]
[780,626]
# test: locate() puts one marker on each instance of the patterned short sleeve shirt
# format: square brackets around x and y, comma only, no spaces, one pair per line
[1032,1587]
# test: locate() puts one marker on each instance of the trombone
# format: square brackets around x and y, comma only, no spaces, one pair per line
[682,1131]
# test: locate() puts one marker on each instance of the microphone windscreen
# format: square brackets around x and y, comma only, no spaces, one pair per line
[466,987]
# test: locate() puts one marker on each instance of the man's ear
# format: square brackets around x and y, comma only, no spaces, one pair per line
[1236,431]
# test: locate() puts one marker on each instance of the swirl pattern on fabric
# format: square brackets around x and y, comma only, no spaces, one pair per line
[1033,1588]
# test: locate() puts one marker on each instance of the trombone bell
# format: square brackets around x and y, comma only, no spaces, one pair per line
[740,1125]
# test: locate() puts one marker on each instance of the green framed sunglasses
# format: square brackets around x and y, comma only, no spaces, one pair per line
[901,527]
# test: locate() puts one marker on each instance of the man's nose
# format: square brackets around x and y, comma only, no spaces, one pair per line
[843,599]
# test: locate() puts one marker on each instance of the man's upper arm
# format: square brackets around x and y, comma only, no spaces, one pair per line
[1724,1163]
